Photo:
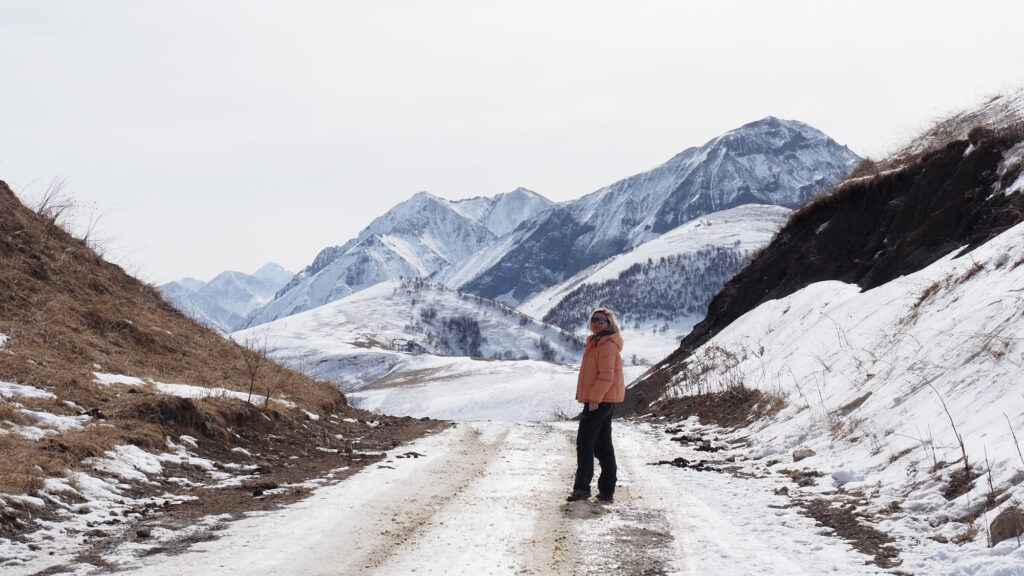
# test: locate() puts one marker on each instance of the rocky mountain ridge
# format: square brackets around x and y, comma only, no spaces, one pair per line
[416,238]
[513,245]
[771,161]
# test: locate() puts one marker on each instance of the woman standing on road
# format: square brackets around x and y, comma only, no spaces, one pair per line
[600,386]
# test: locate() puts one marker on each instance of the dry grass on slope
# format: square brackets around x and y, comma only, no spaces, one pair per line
[68,313]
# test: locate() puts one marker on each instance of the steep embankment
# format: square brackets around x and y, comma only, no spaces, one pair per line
[871,230]
[110,396]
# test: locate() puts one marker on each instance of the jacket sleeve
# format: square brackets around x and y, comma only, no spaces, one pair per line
[606,354]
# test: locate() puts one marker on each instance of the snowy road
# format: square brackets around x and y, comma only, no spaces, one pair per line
[488,498]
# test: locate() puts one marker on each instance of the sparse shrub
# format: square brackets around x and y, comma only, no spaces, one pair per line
[428,314]
[978,133]
[547,351]
[867,167]
[460,335]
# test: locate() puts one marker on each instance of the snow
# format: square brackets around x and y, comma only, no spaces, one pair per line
[359,339]
[185,390]
[97,501]
[487,495]
[1012,160]
[470,390]
[54,422]
[939,345]
[11,390]
[752,225]
[109,379]
[489,498]
[3,340]
[418,237]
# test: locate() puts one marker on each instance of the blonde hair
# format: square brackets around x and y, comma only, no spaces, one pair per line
[612,323]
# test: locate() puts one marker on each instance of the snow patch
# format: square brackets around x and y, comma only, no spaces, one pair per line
[110,379]
[186,390]
[11,390]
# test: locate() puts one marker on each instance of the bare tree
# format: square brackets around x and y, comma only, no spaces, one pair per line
[254,357]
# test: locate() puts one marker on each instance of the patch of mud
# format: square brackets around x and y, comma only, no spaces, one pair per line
[851,525]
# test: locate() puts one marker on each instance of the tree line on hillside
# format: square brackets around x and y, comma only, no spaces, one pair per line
[660,290]
[461,334]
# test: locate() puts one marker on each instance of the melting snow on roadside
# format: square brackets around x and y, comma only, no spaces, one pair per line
[98,502]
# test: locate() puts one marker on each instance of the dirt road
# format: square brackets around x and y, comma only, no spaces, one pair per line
[480,498]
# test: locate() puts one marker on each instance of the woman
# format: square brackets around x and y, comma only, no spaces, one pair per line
[599,387]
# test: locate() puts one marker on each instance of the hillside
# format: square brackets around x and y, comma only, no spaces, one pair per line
[877,342]
[873,229]
[662,287]
[396,326]
[115,408]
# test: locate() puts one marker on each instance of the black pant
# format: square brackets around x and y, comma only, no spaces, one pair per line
[594,438]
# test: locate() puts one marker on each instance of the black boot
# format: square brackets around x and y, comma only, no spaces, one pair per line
[578,495]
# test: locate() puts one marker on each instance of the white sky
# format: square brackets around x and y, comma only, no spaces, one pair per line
[225,134]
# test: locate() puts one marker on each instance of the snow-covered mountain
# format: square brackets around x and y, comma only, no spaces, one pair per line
[771,161]
[662,287]
[403,325]
[201,308]
[229,298]
[414,239]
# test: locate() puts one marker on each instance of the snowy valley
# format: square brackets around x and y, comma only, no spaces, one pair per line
[823,372]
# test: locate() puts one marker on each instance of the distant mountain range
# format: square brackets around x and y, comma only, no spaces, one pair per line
[512,246]
[416,238]
[771,161]
[225,302]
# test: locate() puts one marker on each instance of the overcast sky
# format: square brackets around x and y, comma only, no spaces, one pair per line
[214,135]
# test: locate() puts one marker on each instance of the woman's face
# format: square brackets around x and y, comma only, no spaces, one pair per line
[598,322]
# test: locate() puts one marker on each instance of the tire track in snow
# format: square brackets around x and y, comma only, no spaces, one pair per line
[390,525]
[489,528]
[632,535]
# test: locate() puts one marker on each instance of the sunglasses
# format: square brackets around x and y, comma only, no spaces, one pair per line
[599,320]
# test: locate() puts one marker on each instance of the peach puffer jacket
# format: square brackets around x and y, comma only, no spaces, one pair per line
[601,378]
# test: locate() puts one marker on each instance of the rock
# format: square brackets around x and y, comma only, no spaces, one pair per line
[802,453]
[144,532]
[1008,524]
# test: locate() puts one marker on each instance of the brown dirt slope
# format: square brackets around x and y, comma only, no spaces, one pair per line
[869,231]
